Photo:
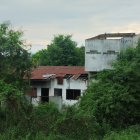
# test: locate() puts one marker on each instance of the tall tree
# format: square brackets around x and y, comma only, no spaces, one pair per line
[62,51]
[14,59]
[81,55]
[40,58]
[14,65]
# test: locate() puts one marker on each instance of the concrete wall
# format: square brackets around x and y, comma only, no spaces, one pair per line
[57,100]
[67,84]
[99,54]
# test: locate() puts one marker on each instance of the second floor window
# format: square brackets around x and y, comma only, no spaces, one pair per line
[60,81]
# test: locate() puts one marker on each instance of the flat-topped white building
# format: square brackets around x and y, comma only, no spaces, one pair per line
[102,50]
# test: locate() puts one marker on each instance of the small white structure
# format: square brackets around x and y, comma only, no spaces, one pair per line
[59,84]
[101,50]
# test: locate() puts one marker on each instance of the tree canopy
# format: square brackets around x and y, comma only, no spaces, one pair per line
[15,63]
[62,51]
[14,59]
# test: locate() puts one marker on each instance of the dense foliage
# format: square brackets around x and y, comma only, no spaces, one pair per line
[14,59]
[14,65]
[61,52]
[130,133]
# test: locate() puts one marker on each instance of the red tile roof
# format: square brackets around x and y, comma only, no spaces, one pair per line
[43,72]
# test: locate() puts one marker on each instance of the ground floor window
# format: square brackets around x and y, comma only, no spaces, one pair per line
[58,92]
[73,94]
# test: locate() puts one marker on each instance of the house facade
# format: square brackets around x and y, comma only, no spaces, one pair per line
[60,84]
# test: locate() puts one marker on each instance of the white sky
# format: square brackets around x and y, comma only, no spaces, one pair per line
[42,19]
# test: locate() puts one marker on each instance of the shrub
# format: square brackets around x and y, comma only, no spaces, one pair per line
[131,133]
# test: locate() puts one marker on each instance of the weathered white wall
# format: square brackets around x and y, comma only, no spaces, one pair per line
[97,56]
[67,84]
[98,61]
[57,100]
[35,101]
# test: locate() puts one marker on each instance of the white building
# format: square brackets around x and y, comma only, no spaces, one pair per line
[59,84]
[102,50]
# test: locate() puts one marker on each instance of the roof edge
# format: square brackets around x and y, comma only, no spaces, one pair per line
[105,35]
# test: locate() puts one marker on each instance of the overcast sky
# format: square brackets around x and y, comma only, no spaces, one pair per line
[42,19]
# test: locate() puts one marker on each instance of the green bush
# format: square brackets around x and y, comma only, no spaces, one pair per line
[131,133]
[45,116]
[75,125]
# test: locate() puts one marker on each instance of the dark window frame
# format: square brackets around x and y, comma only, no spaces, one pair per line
[58,93]
[73,94]
[60,80]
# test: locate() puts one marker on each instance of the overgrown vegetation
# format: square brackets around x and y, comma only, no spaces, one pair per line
[115,98]
[108,111]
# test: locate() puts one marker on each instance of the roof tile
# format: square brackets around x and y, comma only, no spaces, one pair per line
[59,71]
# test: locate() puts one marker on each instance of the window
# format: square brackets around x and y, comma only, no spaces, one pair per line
[57,92]
[60,80]
[73,94]
[93,52]
[34,92]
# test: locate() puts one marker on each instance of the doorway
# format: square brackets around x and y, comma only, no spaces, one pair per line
[44,94]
